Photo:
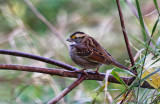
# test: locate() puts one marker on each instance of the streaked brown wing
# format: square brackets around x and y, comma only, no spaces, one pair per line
[97,57]
[103,55]
[90,54]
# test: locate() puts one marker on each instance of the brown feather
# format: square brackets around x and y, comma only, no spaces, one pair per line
[92,51]
[99,54]
[96,57]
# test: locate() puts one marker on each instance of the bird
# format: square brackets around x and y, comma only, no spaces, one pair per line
[87,53]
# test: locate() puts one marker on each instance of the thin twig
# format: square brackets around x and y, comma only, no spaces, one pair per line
[71,74]
[125,97]
[137,55]
[126,41]
[39,58]
[21,91]
[125,35]
[46,22]
[68,89]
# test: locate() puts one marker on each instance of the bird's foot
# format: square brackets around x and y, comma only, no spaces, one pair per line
[96,72]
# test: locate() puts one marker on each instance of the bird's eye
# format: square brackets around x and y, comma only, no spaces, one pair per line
[75,38]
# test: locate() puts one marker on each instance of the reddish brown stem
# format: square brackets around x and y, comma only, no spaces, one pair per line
[72,74]
[39,58]
[125,97]
[68,89]
[125,34]
[126,40]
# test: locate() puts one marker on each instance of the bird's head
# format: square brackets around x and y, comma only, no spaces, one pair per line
[77,37]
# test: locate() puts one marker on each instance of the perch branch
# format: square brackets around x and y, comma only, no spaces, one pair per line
[39,58]
[72,74]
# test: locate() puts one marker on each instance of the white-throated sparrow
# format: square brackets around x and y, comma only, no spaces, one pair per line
[87,53]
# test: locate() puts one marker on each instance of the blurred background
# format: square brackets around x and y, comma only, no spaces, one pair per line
[21,30]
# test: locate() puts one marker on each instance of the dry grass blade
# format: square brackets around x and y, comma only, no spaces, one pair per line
[42,18]
[107,94]
[136,14]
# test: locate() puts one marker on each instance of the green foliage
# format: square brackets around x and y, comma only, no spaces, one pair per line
[141,21]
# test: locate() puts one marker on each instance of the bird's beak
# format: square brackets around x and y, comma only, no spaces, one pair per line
[69,40]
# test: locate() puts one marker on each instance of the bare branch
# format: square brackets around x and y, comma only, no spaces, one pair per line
[46,22]
[126,41]
[68,89]
[125,34]
[72,74]
[39,58]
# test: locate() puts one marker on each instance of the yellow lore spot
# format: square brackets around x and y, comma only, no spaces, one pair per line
[72,37]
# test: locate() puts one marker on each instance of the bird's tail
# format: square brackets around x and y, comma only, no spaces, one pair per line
[121,66]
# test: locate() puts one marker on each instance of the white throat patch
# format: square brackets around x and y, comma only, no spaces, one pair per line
[72,43]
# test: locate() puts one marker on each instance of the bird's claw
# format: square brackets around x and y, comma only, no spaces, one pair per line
[96,72]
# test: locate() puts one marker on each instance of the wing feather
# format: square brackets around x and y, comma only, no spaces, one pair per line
[90,54]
